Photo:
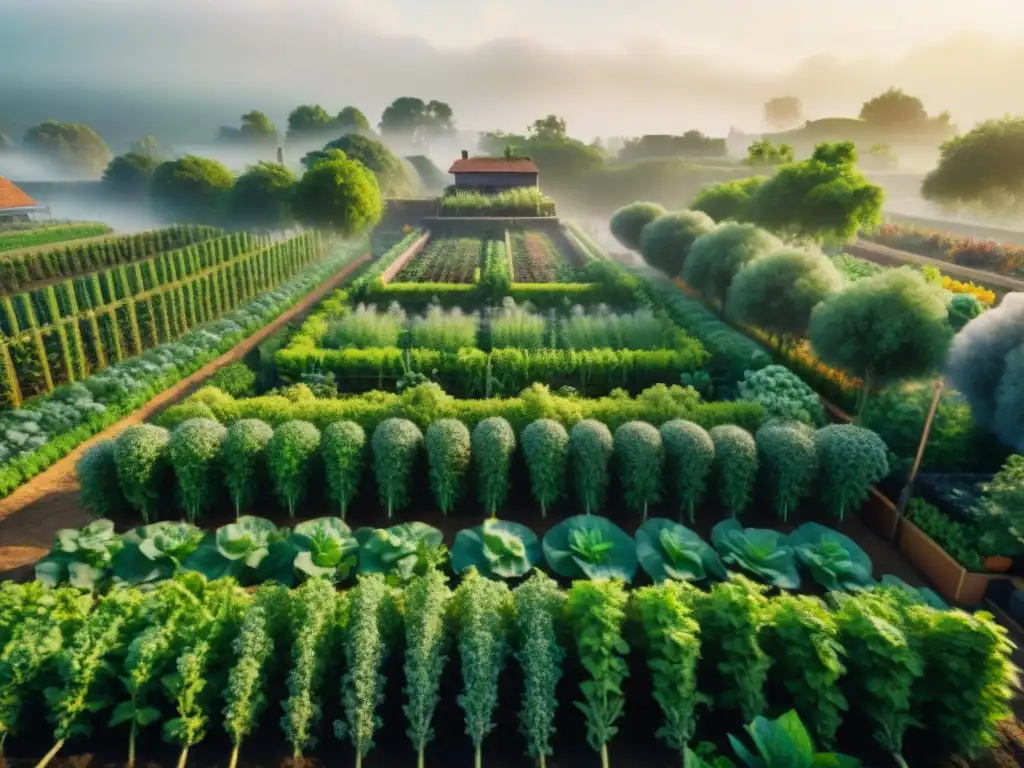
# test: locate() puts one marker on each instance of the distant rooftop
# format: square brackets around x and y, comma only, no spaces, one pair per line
[493,165]
[12,197]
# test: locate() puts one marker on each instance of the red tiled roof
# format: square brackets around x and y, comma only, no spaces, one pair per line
[493,165]
[12,197]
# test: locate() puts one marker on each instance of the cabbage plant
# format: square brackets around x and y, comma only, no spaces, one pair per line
[402,551]
[81,557]
[590,547]
[760,552]
[834,560]
[497,549]
[670,551]
[154,552]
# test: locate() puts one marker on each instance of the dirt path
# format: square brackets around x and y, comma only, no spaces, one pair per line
[31,516]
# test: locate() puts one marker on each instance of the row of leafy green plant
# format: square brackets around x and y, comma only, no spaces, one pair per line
[192,655]
[521,201]
[680,464]
[255,550]
[67,331]
[12,240]
[535,259]
[445,260]
[34,437]
[17,271]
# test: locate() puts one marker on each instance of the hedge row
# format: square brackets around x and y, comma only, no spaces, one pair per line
[475,373]
[20,270]
[200,462]
[428,403]
[89,322]
[50,427]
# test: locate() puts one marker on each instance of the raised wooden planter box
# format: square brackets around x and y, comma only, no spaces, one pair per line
[879,514]
[951,580]
[410,253]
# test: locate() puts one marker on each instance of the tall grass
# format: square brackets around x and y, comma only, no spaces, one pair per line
[444,331]
[603,329]
[366,326]
[519,201]
[517,326]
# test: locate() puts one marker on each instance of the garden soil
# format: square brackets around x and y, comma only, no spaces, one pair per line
[33,513]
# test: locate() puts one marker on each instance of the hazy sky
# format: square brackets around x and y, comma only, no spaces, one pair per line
[609,66]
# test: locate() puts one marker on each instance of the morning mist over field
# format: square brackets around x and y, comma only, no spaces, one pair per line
[179,69]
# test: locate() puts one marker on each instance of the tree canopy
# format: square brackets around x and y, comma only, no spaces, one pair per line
[190,190]
[895,110]
[783,112]
[730,200]
[308,120]
[339,194]
[69,146]
[256,127]
[149,146]
[130,174]
[825,196]
[409,118]
[884,328]
[261,198]
[764,152]
[351,119]
[778,292]
[388,169]
[984,167]
[550,128]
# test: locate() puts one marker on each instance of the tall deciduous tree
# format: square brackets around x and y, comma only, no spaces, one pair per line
[825,196]
[339,194]
[69,146]
[783,112]
[130,174]
[984,167]
[550,128]
[895,110]
[351,119]
[261,198]
[308,119]
[192,189]
[407,118]
[256,127]
[388,169]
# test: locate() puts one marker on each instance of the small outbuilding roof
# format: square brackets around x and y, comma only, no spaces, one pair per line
[12,197]
[493,165]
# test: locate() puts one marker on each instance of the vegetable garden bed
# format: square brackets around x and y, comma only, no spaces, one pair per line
[535,259]
[446,260]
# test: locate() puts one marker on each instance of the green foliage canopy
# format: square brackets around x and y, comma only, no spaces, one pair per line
[665,243]
[191,189]
[261,198]
[717,257]
[629,221]
[130,174]
[68,147]
[339,194]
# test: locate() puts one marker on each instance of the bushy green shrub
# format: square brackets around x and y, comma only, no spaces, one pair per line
[883,329]
[730,200]
[291,459]
[182,412]
[788,459]
[493,443]
[851,459]
[735,466]
[396,447]
[236,380]
[193,450]
[590,449]
[665,243]
[963,308]
[638,457]
[143,471]
[449,452]
[783,395]
[717,257]
[689,458]
[629,222]
[778,292]
[97,477]
[243,456]
[343,448]
[545,445]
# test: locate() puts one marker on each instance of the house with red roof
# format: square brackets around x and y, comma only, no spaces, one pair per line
[493,174]
[15,205]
